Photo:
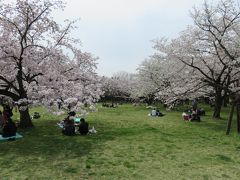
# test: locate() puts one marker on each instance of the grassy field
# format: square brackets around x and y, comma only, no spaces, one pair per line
[128,145]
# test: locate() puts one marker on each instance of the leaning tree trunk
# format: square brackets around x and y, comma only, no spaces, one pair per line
[25,119]
[218,106]
[230,119]
[238,114]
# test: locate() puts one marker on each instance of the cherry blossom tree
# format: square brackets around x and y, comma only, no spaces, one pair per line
[235,101]
[119,86]
[126,81]
[210,47]
[151,78]
[110,89]
[39,60]
[168,80]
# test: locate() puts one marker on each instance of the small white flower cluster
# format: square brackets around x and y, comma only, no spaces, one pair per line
[83,113]
[93,108]
[23,108]
[23,104]
[24,101]
[71,100]
[59,113]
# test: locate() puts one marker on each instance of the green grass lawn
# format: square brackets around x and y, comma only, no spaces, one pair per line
[128,145]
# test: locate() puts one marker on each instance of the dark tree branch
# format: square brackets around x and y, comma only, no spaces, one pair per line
[9,94]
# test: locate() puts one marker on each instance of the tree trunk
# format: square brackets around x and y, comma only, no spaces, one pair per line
[150,99]
[226,100]
[230,119]
[218,106]
[25,119]
[238,116]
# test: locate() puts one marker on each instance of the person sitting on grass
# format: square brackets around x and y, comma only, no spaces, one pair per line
[69,128]
[195,115]
[158,113]
[7,113]
[185,116]
[9,129]
[153,112]
[83,127]
[63,122]
[191,115]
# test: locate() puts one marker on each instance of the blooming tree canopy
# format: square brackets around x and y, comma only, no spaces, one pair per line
[119,86]
[168,80]
[39,60]
[210,47]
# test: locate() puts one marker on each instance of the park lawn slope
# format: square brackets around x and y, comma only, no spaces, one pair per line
[129,145]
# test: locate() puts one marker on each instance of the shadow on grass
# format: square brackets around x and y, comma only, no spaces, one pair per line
[46,140]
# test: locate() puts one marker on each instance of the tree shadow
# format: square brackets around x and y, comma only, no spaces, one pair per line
[46,140]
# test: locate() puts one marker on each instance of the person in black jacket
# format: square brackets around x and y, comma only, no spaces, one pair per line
[83,127]
[69,128]
[9,129]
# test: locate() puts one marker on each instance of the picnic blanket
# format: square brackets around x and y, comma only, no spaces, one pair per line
[12,137]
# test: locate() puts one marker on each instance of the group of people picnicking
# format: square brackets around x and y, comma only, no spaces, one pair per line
[7,127]
[191,115]
[72,125]
[155,113]
[194,113]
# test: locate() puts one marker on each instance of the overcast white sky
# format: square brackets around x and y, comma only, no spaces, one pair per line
[119,32]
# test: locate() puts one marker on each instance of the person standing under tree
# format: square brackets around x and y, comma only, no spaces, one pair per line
[194,104]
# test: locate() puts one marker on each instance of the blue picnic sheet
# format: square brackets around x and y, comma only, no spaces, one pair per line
[6,138]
